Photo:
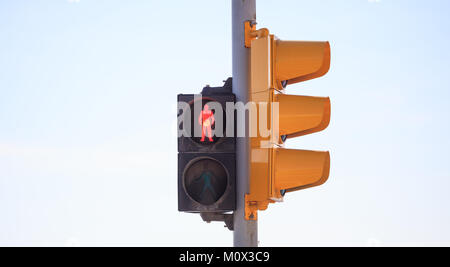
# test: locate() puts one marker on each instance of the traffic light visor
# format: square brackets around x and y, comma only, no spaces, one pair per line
[299,169]
[298,61]
[302,115]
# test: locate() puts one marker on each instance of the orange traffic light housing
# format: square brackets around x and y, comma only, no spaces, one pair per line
[275,170]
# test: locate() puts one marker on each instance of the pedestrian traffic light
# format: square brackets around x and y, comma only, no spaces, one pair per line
[275,170]
[206,146]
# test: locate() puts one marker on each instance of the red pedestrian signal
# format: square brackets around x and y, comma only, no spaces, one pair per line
[206,120]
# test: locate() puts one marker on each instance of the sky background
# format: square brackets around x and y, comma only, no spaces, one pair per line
[88,150]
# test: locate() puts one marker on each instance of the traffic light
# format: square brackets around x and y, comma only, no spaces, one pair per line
[275,170]
[206,151]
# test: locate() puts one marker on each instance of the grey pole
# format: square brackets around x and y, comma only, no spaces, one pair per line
[245,232]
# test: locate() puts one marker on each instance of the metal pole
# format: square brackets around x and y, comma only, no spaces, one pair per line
[245,232]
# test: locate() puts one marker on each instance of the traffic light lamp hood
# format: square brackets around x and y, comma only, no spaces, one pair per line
[302,115]
[299,169]
[298,61]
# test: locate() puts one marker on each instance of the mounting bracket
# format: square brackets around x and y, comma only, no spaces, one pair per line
[227,218]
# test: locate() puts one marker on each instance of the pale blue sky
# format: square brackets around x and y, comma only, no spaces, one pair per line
[88,105]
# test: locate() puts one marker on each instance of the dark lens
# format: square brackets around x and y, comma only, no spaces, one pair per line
[206,181]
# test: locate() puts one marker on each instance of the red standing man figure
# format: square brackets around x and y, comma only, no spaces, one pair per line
[206,120]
